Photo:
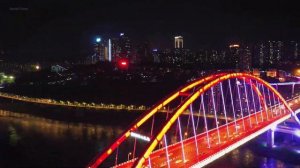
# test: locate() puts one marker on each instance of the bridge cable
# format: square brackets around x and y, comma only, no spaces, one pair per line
[181,139]
[253,102]
[247,102]
[270,103]
[240,102]
[205,121]
[215,112]
[233,109]
[224,108]
[194,130]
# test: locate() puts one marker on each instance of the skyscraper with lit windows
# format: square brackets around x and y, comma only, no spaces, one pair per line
[178,41]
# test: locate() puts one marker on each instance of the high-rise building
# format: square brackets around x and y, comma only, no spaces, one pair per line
[121,47]
[125,46]
[106,53]
[240,56]
[178,41]
[234,50]
[296,52]
[245,61]
[144,54]
[275,53]
[262,54]
[99,50]
[292,51]
[156,56]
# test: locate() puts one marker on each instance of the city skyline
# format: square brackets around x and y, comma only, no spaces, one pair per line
[67,29]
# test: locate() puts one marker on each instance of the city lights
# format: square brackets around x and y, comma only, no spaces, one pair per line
[148,84]
[234,46]
[297,133]
[297,72]
[123,64]
[98,39]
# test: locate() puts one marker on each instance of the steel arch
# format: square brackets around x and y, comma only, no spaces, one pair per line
[145,116]
[154,142]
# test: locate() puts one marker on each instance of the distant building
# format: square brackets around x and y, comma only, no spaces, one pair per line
[240,57]
[121,47]
[143,53]
[256,72]
[262,54]
[273,53]
[291,51]
[245,61]
[156,56]
[100,52]
[272,73]
[58,68]
[234,51]
[178,41]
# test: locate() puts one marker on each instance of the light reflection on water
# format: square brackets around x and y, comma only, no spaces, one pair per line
[32,141]
[57,129]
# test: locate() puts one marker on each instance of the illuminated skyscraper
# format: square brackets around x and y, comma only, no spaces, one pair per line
[275,52]
[262,54]
[234,54]
[245,62]
[120,48]
[109,50]
[240,56]
[178,41]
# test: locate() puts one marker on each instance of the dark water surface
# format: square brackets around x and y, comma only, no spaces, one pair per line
[38,142]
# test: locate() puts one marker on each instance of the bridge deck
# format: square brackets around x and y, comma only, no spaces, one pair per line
[176,159]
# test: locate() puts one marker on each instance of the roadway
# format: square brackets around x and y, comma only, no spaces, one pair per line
[72,104]
[101,106]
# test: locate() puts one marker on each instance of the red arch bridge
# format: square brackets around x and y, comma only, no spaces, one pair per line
[243,106]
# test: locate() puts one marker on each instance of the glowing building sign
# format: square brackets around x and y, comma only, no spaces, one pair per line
[234,46]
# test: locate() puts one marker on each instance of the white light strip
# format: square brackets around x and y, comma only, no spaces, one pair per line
[285,83]
[109,50]
[139,136]
[237,144]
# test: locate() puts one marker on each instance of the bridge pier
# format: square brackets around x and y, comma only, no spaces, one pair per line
[270,138]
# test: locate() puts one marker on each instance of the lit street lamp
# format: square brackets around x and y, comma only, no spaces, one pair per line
[128,156]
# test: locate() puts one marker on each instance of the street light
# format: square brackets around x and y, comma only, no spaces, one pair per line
[185,135]
[129,154]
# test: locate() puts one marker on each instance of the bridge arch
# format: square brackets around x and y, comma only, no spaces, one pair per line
[193,97]
[203,84]
[146,116]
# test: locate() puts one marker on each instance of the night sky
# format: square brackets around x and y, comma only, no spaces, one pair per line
[65,29]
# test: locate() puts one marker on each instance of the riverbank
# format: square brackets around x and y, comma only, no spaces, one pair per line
[70,114]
